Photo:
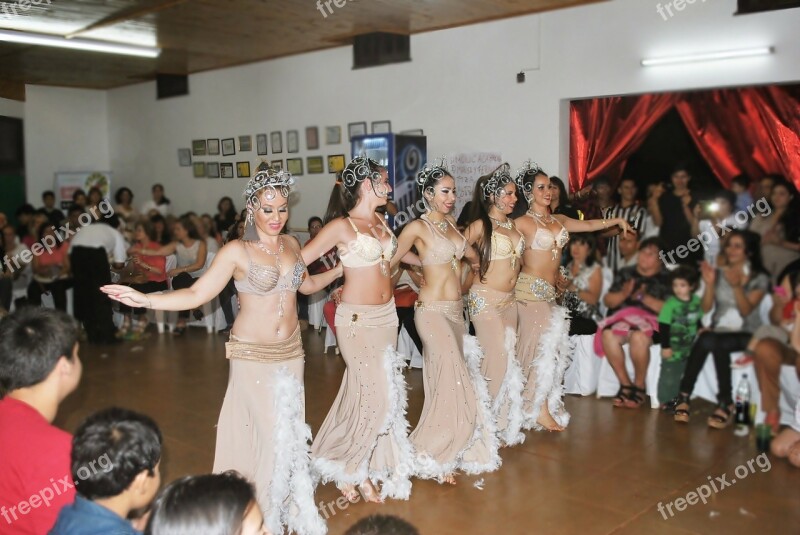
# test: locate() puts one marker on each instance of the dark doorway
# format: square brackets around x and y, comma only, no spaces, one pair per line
[12,167]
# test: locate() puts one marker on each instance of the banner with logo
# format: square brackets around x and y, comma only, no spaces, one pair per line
[68,182]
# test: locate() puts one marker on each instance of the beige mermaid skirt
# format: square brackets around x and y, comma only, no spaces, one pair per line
[262,432]
[365,434]
[456,429]
[494,315]
[543,350]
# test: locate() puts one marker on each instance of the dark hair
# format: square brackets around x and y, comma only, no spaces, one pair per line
[231,212]
[123,443]
[42,228]
[213,504]
[650,242]
[164,199]
[346,192]
[680,166]
[120,191]
[752,248]
[149,229]
[48,193]
[32,340]
[741,180]
[191,229]
[77,193]
[25,209]
[429,177]
[728,196]
[314,218]
[480,211]
[98,191]
[687,273]
[382,525]
[602,179]
[75,208]
[165,236]
[790,218]
[589,239]
[775,177]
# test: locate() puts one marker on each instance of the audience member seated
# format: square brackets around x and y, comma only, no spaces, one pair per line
[672,210]
[162,234]
[73,223]
[597,201]
[778,344]
[79,199]
[559,201]
[582,294]
[764,186]
[54,215]
[734,292]
[406,291]
[116,455]
[314,226]
[634,301]
[716,219]
[212,230]
[39,368]
[51,270]
[219,503]
[159,204]
[679,322]
[125,210]
[225,216]
[651,230]
[146,274]
[628,246]
[382,525]
[90,250]
[190,251]
[18,266]
[205,233]
[780,230]
[740,186]
[631,211]
[94,198]
[787,444]
[227,293]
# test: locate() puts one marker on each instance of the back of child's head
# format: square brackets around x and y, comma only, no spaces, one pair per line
[32,340]
[686,273]
[382,525]
[111,448]
[213,504]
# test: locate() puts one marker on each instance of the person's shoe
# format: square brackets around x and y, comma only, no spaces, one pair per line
[198,314]
[226,330]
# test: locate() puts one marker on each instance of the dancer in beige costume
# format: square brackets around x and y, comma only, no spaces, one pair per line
[491,301]
[456,429]
[543,347]
[261,432]
[364,438]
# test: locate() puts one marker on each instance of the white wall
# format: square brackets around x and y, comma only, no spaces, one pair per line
[460,88]
[65,130]
[12,108]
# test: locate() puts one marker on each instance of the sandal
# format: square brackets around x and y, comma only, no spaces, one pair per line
[635,398]
[622,396]
[681,410]
[722,417]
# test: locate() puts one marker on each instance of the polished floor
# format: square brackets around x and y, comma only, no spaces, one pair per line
[606,474]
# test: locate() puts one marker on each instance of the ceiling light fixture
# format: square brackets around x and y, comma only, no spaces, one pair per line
[708,56]
[12,36]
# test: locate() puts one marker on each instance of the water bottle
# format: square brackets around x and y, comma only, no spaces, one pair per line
[742,407]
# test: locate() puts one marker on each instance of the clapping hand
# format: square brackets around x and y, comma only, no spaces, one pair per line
[708,273]
[735,276]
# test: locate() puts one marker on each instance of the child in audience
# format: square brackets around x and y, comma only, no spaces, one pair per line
[740,185]
[382,525]
[678,323]
[39,367]
[214,503]
[115,461]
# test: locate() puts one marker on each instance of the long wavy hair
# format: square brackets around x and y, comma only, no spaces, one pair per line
[481,204]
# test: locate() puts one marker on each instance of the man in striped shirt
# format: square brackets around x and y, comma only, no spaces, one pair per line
[630,210]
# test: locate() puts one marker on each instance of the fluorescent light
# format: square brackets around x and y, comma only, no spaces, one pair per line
[709,56]
[78,44]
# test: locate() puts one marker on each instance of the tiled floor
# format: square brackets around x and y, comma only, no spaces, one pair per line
[605,474]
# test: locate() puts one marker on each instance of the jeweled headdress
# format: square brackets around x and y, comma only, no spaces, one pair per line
[500,177]
[277,180]
[434,171]
[359,169]
[529,168]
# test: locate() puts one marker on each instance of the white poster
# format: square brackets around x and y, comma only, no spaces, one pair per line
[467,168]
[67,183]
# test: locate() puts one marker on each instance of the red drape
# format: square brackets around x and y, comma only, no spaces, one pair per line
[604,132]
[754,130]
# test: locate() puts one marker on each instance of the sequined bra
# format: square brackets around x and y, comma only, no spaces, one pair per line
[443,250]
[367,250]
[265,280]
[503,247]
[545,240]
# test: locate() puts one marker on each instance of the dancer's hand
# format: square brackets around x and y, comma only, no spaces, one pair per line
[126,295]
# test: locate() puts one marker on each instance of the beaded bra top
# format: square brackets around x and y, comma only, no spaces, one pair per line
[443,250]
[367,250]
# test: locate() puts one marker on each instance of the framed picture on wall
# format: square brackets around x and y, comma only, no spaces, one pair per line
[212,169]
[245,143]
[292,141]
[226,170]
[312,138]
[213,147]
[335,163]
[294,166]
[356,129]
[184,157]
[243,169]
[333,135]
[199,169]
[382,127]
[316,165]
[417,132]
[261,143]
[198,147]
[276,141]
[276,164]
[228,147]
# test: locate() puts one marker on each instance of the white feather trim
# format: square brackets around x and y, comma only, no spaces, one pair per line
[550,364]
[291,488]
[509,398]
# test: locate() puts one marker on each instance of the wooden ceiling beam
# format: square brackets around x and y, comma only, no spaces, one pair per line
[128,14]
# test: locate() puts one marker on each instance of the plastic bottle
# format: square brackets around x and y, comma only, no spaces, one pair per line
[742,418]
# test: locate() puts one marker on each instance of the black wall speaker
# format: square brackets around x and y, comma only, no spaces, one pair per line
[171,85]
[379,48]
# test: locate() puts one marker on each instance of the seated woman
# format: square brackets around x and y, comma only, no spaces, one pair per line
[585,284]
[780,230]
[735,293]
[149,274]
[51,270]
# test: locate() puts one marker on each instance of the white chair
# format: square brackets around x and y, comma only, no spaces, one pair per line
[212,312]
[583,373]
[160,315]
[608,384]
[316,302]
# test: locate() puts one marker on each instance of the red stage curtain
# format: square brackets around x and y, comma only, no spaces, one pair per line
[754,130]
[604,132]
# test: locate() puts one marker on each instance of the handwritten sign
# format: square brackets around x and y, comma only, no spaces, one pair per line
[467,168]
